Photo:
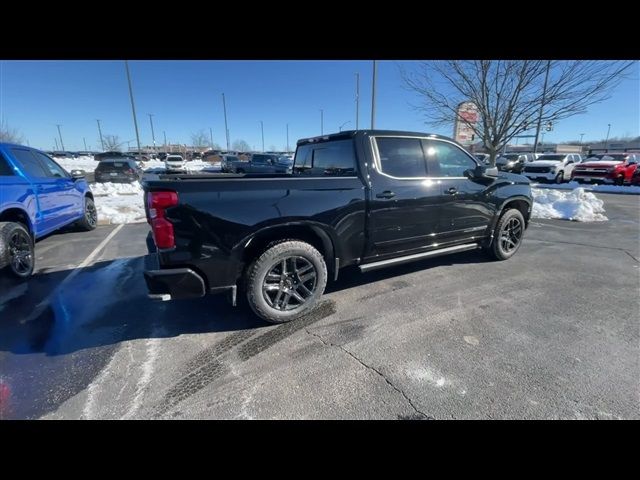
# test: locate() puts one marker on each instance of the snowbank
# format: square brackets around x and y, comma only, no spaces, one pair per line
[576,205]
[119,202]
[88,164]
[591,188]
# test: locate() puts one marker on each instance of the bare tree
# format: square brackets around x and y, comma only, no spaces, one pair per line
[111,142]
[241,146]
[510,95]
[200,139]
[10,135]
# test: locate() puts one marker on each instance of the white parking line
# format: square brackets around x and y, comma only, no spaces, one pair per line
[40,307]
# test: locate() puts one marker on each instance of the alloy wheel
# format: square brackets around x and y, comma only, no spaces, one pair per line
[289,283]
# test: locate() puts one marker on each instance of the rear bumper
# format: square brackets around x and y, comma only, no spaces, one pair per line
[174,284]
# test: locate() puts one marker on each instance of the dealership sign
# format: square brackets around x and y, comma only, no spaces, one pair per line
[466,118]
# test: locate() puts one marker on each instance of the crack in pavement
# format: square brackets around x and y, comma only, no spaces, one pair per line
[368,367]
[584,245]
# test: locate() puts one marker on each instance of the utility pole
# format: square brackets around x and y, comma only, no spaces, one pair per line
[165,139]
[211,135]
[606,142]
[56,140]
[581,135]
[262,132]
[133,106]
[373,95]
[62,143]
[153,135]
[226,126]
[544,97]
[100,132]
[357,100]
[85,144]
[287,138]
[321,122]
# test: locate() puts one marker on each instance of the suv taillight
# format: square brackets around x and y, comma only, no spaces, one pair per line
[157,203]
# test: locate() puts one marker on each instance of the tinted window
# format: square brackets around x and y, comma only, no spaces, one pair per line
[29,163]
[334,158]
[52,168]
[450,160]
[401,157]
[5,168]
[303,157]
[260,158]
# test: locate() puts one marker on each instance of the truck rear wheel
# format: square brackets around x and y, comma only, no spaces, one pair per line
[507,236]
[286,281]
[16,249]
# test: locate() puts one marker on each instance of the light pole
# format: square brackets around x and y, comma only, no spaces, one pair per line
[340,127]
[262,132]
[133,106]
[85,144]
[165,139]
[100,132]
[321,122]
[544,97]
[211,136]
[153,135]
[60,135]
[357,100]
[287,138]
[226,126]
[606,147]
[373,95]
[56,140]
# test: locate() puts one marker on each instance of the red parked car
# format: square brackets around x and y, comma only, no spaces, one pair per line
[612,168]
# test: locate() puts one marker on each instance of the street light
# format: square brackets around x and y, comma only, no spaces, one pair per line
[262,132]
[133,106]
[100,132]
[340,127]
[321,122]
[606,148]
[60,134]
[581,136]
[153,135]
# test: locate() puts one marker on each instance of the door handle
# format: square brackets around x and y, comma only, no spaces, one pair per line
[386,194]
[452,190]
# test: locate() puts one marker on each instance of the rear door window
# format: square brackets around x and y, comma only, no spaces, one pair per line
[30,164]
[5,168]
[401,157]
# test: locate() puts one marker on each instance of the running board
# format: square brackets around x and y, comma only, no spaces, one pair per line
[417,256]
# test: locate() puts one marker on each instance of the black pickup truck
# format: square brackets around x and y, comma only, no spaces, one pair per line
[369,198]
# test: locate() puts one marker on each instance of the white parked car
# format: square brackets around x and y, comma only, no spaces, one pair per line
[174,162]
[556,167]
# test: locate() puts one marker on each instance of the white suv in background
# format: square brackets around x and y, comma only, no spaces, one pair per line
[174,162]
[555,167]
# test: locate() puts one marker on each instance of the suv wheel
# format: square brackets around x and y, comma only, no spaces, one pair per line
[560,177]
[508,234]
[16,249]
[90,219]
[286,281]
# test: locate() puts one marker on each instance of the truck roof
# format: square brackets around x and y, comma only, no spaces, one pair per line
[352,133]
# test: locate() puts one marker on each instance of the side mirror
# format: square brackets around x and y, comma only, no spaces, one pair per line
[77,174]
[481,171]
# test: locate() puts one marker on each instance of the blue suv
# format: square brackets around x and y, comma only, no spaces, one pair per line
[37,196]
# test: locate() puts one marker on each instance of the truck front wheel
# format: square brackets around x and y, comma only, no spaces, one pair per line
[507,236]
[286,281]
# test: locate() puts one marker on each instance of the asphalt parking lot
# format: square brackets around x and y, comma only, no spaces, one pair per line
[552,333]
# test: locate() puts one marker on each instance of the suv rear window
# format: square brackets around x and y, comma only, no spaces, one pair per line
[5,169]
[114,166]
[336,158]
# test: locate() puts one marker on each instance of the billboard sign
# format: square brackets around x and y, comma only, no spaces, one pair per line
[462,131]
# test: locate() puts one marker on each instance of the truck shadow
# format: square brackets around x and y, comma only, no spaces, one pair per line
[106,304]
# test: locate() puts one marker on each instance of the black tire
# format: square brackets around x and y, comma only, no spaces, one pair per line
[505,243]
[90,219]
[559,177]
[620,180]
[240,170]
[16,249]
[275,301]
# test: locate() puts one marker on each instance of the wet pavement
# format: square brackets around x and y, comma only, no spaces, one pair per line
[551,333]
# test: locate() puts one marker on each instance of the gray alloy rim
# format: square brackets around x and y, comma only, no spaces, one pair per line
[92,215]
[20,252]
[511,235]
[289,283]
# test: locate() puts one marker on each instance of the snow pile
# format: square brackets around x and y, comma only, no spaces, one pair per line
[119,202]
[88,164]
[591,188]
[113,189]
[576,205]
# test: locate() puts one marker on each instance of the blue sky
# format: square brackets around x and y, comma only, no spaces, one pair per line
[185,96]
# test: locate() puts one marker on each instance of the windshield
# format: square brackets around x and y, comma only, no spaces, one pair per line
[557,158]
[606,158]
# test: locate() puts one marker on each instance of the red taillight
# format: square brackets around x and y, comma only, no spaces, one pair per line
[157,203]
[129,172]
